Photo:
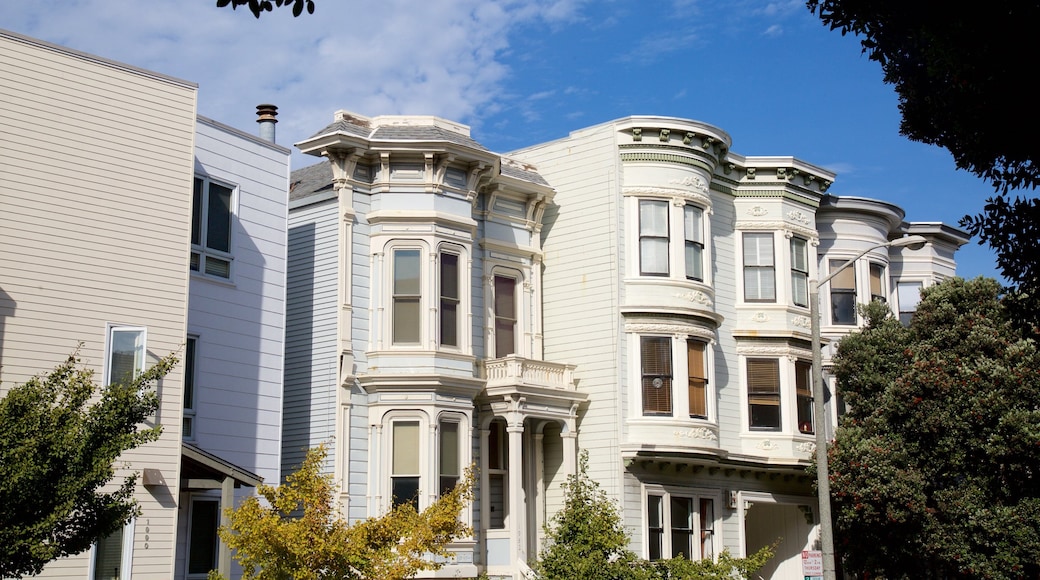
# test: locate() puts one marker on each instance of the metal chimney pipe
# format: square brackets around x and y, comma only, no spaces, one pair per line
[267,115]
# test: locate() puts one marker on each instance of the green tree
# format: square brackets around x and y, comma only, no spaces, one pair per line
[296,532]
[934,467]
[259,6]
[58,442]
[586,540]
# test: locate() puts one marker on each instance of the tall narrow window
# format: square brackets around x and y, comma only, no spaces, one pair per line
[188,423]
[656,354]
[877,283]
[692,220]
[707,517]
[505,316]
[449,455]
[407,294]
[449,299]
[404,479]
[202,536]
[497,460]
[909,295]
[113,553]
[843,294]
[126,353]
[698,379]
[759,274]
[799,272]
[763,377]
[653,237]
[682,527]
[803,392]
[655,526]
[211,228]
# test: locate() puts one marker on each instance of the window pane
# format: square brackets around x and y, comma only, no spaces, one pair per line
[218,219]
[406,273]
[845,279]
[108,556]
[707,517]
[692,223]
[449,446]
[653,256]
[698,379]
[406,447]
[653,218]
[127,356]
[449,303]
[759,284]
[189,374]
[505,316]
[803,390]
[496,445]
[800,289]
[406,311]
[843,308]
[655,531]
[656,355]
[196,213]
[758,249]
[497,497]
[694,261]
[404,490]
[406,320]
[877,280]
[202,548]
[799,255]
[682,527]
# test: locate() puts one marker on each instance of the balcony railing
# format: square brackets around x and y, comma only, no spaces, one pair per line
[519,371]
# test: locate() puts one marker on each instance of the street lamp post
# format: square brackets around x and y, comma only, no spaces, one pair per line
[823,482]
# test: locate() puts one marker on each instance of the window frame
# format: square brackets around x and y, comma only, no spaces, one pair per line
[758,268]
[694,243]
[776,393]
[190,399]
[193,501]
[907,315]
[692,378]
[655,236]
[701,532]
[201,222]
[498,447]
[881,290]
[500,321]
[394,474]
[803,391]
[839,295]
[659,381]
[443,485]
[111,343]
[799,276]
[400,297]
[126,553]
[446,303]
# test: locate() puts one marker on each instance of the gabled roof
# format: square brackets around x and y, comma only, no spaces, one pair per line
[310,180]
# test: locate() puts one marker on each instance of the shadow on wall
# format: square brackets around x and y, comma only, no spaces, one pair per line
[7,306]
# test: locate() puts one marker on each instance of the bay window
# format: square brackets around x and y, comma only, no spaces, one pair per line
[448,455]
[449,299]
[404,476]
[759,272]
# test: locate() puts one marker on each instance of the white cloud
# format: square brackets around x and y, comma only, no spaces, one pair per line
[773,31]
[373,57]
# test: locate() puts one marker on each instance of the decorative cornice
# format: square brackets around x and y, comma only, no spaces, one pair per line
[675,193]
[691,160]
[776,225]
[669,328]
[777,350]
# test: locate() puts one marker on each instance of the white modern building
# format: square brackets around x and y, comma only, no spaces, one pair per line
[636,290]
[137,228]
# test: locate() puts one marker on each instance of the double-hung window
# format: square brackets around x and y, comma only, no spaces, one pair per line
[404,476]
[763,385]
[113,555]
[799,272]
[679,525]
[211,220]
[804,395]
[497,462]
[694,241]
[407,294]
[698,377]
[653,237]
[505,315]
[448,455]
[877,283]
[656,356]
[759,270]
[126,353]
[449,299]
[843,294]
[188,423]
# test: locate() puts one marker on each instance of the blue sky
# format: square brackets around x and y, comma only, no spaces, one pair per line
[523,72]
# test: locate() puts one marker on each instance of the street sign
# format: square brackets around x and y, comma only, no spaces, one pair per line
[812,564]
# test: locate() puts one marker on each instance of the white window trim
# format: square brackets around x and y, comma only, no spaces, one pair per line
[696,493]
[464,314]
[201,248]
[680,376]
[126,560]
[789,266]
[426,461]
[383,294]
[522,346]
[787,357]
[111,329]
[676,254]
[778,289]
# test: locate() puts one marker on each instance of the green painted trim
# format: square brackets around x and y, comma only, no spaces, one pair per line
[666,158]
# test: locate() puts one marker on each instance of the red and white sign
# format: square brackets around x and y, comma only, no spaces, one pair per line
[812,564]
